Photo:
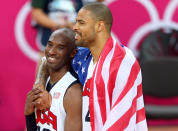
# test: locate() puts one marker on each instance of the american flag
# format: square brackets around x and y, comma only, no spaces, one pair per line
[56,95]
[81,62]
[116,99]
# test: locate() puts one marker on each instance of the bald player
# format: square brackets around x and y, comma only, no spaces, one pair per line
[65,112]
[109,73]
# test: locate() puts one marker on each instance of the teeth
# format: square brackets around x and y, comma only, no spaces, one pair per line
[51,59]
[77,36]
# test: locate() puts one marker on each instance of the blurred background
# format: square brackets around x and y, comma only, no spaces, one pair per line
[148,27]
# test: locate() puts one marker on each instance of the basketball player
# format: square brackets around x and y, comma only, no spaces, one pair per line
[109,73]
[65,113]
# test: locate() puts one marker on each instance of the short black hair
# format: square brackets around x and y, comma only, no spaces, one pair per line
[101,12]
[68,34]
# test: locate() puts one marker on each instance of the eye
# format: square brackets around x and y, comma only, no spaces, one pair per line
[60,47]
[82,22]
[49,44]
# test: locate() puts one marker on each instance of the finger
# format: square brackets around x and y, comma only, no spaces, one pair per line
[35,86]
[37,96]
[38,86]
[38,102]
[39,105]
[40,108]
[29,93]
[36,91]
[33,104]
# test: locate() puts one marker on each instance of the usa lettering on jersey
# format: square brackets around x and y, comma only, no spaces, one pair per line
[47,117]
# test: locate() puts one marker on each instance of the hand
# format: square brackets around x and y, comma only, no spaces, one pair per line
[40,86]
[44,101]
[32,96]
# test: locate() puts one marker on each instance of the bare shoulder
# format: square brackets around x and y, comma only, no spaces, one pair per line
[73,97]
[74,90]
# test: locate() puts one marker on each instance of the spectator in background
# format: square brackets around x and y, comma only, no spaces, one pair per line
[49,15]
[78,5]
[89,1]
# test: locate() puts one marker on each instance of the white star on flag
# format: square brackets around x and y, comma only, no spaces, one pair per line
[79,62]
[73,62]
[85,58]
[83,70]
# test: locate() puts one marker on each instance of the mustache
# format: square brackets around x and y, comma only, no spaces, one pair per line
[76,32]
[51,55]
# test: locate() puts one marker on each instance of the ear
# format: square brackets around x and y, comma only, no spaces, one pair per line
[100,26]
[73,53]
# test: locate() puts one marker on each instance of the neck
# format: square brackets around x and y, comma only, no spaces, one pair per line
[56,75]
[98,46]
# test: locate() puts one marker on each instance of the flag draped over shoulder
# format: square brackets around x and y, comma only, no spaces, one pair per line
[116,99]
[81,62]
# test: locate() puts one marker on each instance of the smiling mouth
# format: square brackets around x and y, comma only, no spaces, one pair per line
[51,59]
[77,36]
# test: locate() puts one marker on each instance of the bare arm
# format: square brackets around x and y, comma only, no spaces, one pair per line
[42,74]
[44,101]
[42,19]
[73,108]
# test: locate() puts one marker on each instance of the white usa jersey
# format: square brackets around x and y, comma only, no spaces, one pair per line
[85,104]
[53,119]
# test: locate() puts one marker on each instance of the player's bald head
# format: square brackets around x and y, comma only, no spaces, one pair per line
[100,12]
[67,35]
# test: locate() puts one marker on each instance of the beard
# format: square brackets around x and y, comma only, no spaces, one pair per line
[80,43]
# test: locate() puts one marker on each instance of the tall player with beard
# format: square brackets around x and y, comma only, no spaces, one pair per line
[110,75]
[64,113]
[112,87]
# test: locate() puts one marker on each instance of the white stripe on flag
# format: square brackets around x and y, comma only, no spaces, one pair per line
[97,114]
[141,126]
[123,74]
[139,78]
[132,124]
[140,103]
[105,75]
[122,107]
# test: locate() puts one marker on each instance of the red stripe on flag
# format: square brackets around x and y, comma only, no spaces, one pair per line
[123,122]
[91,103]
[139,90]
[101,97]
[104,53]
[100,85]
[132,77]
[119,53]
[140,115]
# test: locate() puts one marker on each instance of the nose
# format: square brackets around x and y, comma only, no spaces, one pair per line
[75,27]
[52,51]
